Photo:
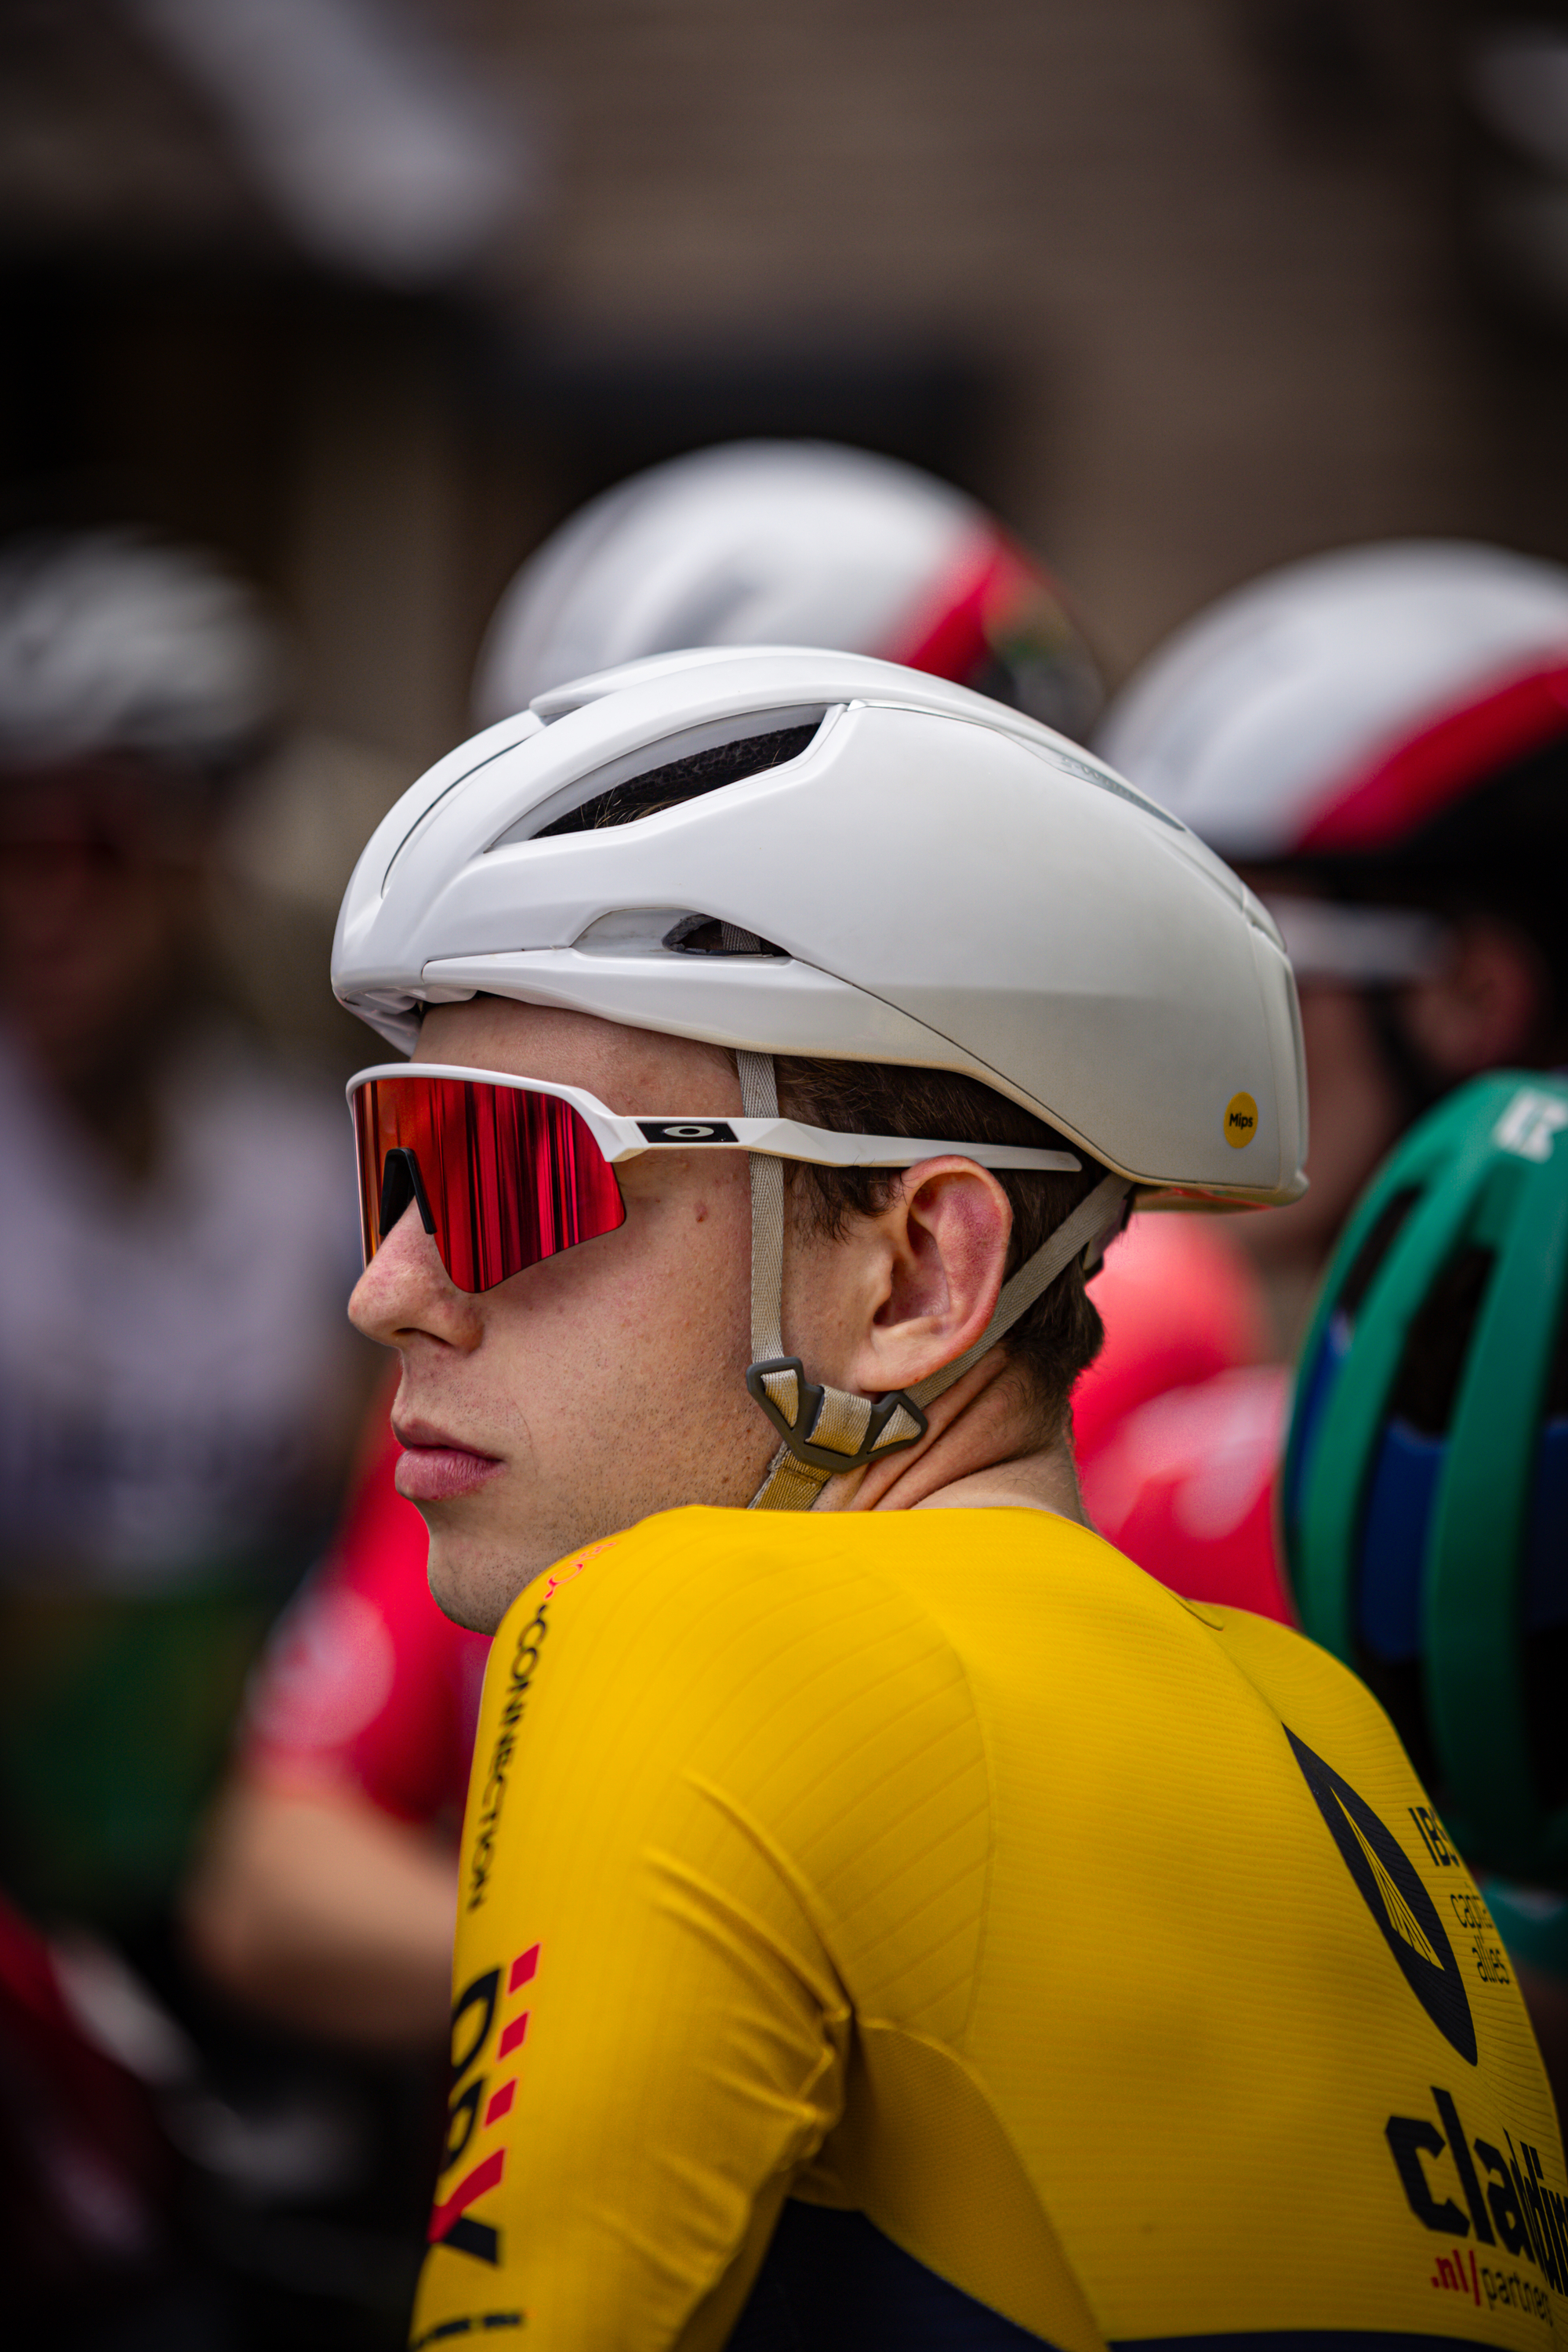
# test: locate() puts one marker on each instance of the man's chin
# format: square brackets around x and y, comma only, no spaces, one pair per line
[471,1586]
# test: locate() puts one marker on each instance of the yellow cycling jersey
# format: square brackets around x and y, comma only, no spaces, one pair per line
[1097,1956]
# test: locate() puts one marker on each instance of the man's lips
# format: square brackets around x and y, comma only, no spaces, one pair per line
[434,1468]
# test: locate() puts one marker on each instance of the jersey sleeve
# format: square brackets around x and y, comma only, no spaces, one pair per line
[365,1686]
[680,1804]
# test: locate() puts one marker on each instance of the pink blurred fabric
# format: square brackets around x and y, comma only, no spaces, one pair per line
[365,1684]
[1179,1424]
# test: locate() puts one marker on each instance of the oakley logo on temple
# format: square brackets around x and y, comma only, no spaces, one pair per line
[686,1130]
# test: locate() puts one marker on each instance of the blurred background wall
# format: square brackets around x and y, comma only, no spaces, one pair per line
[371,293]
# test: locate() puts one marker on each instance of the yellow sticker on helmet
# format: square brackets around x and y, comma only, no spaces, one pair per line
[1240,1121]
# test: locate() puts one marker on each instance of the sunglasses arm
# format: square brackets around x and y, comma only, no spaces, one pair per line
[787,1138]
[620,1136]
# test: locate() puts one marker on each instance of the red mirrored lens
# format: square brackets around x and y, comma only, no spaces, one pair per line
[508,1177]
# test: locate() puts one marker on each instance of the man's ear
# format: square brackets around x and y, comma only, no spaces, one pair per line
[1485,1008]
[932,1267]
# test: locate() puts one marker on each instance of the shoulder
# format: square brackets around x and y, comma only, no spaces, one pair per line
[733,1617]
[738,1644]
[699,1591]
[1321,1699]
[740,1692]
[695,1578]
[699,1566]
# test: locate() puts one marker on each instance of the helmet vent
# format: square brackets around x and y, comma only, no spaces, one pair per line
[677,781]
[707,935]
[1439,1342]
[1546,1593]
[1397,1509]
[1374,1249]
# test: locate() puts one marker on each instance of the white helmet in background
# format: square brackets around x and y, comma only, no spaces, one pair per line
[111,642]
[1336,706]
[790,542]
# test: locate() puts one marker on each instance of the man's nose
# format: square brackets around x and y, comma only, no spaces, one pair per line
[406,1292]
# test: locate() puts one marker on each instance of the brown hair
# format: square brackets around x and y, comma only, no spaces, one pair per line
[1061,1334]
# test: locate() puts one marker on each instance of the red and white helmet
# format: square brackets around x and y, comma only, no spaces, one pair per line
[1335,708]
[790,542]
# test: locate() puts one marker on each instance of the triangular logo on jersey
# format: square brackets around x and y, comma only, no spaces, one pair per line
[1390,1886]
[1401,1918]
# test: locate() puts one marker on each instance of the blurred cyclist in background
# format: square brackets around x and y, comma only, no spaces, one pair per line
[782,543]
[1378,739]
[327,1895]
[1424,1502]
[165,1466]
[178,1390]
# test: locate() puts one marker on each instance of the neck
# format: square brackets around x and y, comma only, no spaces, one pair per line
[980,1453]
[1045,1480]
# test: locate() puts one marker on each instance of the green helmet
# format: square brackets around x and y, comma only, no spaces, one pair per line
[1426,1489]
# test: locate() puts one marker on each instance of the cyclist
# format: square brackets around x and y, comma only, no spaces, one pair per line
[898,1920]
[326,1892]
[791,543]
[1378,739]
[178,1396]
[1425,1496]
[175,1412]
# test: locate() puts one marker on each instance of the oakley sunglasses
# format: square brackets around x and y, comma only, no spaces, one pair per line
[505,1171]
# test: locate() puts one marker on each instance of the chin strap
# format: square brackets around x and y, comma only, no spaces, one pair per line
[826,1430]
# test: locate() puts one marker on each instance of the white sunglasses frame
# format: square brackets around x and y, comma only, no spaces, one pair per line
[620,1138]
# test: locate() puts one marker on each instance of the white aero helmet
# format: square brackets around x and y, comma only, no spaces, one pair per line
[111,642]
[790,542]
[783,851]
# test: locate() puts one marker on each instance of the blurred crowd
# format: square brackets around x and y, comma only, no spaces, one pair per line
[234,1727]
[235,1730]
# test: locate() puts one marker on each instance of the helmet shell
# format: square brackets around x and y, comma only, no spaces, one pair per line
[1339,704]
[789,542]
[111,642]
[1425,1488]
[941,881]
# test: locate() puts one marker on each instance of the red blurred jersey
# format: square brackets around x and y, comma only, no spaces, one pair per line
[365,1685]
[1179,1424]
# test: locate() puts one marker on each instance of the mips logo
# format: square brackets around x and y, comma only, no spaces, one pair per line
[1390,1887]
[1240,1121]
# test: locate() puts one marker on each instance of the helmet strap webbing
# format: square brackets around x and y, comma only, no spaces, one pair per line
[790,1484]
[824,1431]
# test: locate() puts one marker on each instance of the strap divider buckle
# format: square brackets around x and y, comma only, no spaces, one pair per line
[866,1429]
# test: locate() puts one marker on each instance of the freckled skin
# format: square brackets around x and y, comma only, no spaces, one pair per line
[607,1382]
